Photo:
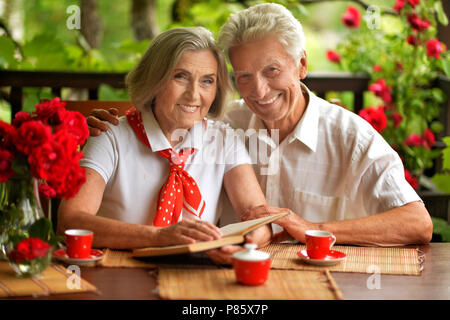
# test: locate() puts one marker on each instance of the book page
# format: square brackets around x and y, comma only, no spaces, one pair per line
[242,227]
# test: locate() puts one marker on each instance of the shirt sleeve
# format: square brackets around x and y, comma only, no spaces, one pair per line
[383,184]
[100,154]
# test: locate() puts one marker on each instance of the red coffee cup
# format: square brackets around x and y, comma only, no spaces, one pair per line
[79,243]
[319,243]
[251,266]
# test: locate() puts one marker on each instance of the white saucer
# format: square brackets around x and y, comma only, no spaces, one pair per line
[61,255]
[332,258]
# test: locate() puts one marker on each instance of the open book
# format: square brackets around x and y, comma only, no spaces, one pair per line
[231,234]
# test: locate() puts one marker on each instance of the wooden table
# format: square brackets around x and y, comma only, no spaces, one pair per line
[434,283]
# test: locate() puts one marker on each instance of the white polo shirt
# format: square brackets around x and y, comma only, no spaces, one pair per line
[134,174]
[332,166]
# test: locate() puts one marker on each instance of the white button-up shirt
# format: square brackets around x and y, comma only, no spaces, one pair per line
[332,166]
[134,174]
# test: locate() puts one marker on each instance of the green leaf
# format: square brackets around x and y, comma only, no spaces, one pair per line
[7,53]
[442,17]
[42,228]
[446,66]
[446,154]
[442,182]
[442,228]
[436,126]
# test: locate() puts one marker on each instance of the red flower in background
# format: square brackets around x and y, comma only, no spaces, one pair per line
[428,138]
[414,3]
[380,89]
[434,48]
[412,40]
[352,17]
[397,118]
[376,117]
[413,140]
[399,6]
[377,68]
[333,56]
[29,249]
[411,180]
[416,23]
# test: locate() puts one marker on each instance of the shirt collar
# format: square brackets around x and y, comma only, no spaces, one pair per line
[158,141]
[307,129]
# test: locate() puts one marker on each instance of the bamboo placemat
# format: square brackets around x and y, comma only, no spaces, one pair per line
[402,261]
[124,259]
[52,280]
[220,284]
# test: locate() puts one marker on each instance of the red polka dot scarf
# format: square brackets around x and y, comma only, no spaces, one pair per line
[180,190]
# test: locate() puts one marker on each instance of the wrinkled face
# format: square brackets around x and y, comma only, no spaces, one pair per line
[268,78]
[189,93]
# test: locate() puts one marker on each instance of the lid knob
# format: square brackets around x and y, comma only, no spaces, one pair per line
[251,246]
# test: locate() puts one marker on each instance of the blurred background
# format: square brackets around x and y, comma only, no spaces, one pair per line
[112,34]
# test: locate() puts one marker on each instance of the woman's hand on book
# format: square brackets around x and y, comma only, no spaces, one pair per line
[187,231]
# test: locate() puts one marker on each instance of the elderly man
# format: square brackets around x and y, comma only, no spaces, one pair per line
[332,169]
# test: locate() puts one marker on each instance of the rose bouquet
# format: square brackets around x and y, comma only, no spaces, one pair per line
[39,154]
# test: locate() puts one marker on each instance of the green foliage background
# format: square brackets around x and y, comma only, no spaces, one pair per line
[47,44]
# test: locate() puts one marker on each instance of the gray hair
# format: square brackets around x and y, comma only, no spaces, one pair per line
[153,71]
[260,21]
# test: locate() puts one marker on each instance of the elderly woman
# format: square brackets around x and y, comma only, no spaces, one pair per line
[147,180]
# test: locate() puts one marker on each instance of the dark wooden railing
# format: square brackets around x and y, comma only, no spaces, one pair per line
[17,80]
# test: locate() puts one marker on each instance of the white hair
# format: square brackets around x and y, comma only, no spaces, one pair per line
[260,21]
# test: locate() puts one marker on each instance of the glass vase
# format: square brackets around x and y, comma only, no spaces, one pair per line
[20,208]
[29,268]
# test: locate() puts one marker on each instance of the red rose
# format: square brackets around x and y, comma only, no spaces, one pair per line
[20,118]
[434,48]
[428,138]
[376,117]
[333,56]
[413,140]
[412,40]
[49,111]
[72,182]
[380,89]
[29,249]
[399,6]
[397,118]
[74,123]
[377,68]
[352,17]
[6,159]
[411,180]
[416,23]
[46,190]
[7,134]
[414,3]
[31,135]
[49,161]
